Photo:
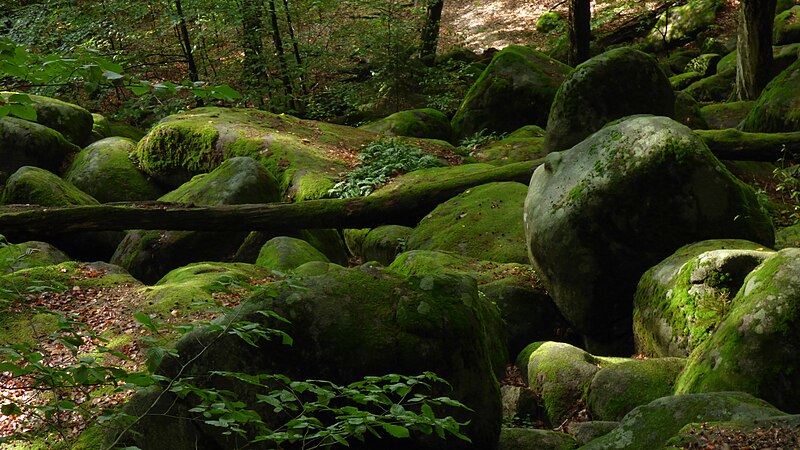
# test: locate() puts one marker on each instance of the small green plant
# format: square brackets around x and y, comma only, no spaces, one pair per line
[380,161]
[481,138]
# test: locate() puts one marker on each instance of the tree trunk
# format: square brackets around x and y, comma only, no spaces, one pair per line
[402,205]
[186,43]
[278,42]
[295,47]
[430,31]
[580,32]
[254,71]
[737,145]
[754,59]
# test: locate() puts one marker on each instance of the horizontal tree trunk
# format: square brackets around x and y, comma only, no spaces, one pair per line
[401,205]
[738,145]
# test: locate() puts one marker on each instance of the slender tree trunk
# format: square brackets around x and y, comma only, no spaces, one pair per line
[580,32]
[754,47]
[430,31]
[278,42]
[295,50]
[254,72]
[186,44]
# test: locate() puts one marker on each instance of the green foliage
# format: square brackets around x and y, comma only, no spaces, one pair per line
[787,186]
[380,161]
[479,139]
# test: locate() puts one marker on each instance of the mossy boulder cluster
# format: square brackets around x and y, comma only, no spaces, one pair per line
[592,213]
[422,123]
[516,89]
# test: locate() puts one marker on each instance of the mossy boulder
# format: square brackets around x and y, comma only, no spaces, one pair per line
[678,60]
[777,431]
[617,389]
[516,89]
[482,223]
[529,438]
[15,257]
[778,107]
[72,121]
[585,432]
[24,143]
[601,214]
[150,254]
[610,86]
[550,21]
[721,116]
[705,64]
[284,253]
[423,123]
[560,375]
[786,28]
[528,312]
[683,23]
[680,302]
[788,237]
[127,131]
[327,240]
[101,127]
[687,111]
[32,185]
[104,170]
[384,243]
[755,348]
[397,325]
[301,154]
[716,88]
[195,287]
[524,144]
[651,425]
[684,80]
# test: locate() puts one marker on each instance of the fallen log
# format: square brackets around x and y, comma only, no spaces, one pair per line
[737,145]
[401,204]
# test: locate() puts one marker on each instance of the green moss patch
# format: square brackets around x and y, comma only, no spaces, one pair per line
[40,187]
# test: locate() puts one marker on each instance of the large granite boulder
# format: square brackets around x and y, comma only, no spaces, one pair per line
[150,254]
[483,223]
[516,89]
[680,302]
[610,86]
[755,348]
[24,143]
[104,170]
[786,28]
[601,214]
[72,121]
[683,23]
[345,324]
[423,123]
[778,107]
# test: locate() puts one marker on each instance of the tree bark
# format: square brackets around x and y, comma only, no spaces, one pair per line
[430,31]
[281,54]
[737,145]
[186,43]
[754,47]
[580,32]
[401,204]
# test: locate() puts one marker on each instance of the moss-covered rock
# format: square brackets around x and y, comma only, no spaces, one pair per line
[346,324]
[101,127]
[610,86]
[72,121]
[550,21]
[687,111]
[684,80]
[699,434]
[617,389]
[585,432]
[104,170]
[195,287]
[560,375]
[149,255]
[601,214]
[483,223]
[284,253]
[40,187]
[651,425]
[24,143]
[327,240]
[422,123]
[680,302]
[682,23]
[127,131]
[705,64]
[778,107]
[786,28]
[721,116]
[527,310]
[754,349]
[524,144]
[516,89]
[678,60]
[15,257]
[788,237]
[384,243]
[716,88]
[530,438]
